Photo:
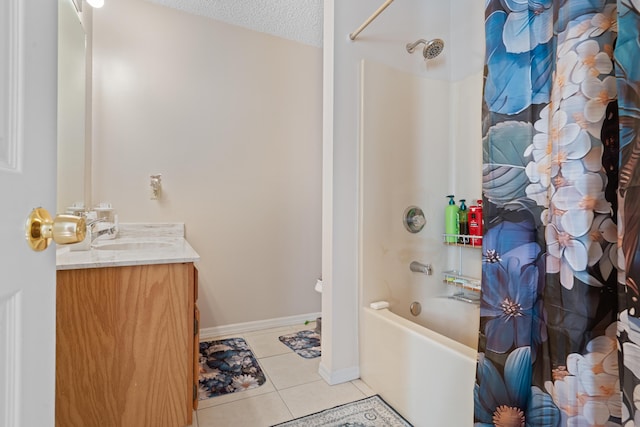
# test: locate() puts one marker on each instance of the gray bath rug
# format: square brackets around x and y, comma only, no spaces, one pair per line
[369,412]
[303,343]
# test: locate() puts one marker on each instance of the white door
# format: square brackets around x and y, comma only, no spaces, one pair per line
[28,58]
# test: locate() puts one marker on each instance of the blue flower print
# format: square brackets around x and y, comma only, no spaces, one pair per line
[627,72]
[511,239]
[510,302]
[509,399]
[529,24]
[577,10]
[631,5]
[514,80]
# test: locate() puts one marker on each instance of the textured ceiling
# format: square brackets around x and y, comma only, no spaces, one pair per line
[299,20]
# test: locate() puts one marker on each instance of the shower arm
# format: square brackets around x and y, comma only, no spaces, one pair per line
[412,46]
[353,35]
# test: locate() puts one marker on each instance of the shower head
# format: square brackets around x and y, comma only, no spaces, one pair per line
[432,48]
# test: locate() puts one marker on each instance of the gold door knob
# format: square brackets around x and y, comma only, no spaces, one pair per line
[64,229]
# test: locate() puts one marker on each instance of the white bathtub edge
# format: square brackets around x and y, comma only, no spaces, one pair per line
[414,328]
[428,378]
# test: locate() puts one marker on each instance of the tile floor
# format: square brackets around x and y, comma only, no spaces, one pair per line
[293,387]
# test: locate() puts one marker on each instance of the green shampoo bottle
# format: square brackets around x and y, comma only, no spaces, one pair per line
[451,221]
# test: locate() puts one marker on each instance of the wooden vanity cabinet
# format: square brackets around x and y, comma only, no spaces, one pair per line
[126,346]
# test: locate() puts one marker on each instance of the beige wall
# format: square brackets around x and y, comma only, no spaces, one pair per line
[232,119]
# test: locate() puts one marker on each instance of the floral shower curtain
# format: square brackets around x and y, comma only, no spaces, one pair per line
[559,341]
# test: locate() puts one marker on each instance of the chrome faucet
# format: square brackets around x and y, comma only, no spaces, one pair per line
[418,267]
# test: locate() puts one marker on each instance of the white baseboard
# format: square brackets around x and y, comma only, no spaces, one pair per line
[340,376]
[238,328]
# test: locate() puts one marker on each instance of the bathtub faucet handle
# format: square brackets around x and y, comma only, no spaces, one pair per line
[418,267]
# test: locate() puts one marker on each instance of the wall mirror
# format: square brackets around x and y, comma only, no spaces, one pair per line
[71,106]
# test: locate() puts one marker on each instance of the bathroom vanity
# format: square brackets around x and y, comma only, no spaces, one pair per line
[127,333]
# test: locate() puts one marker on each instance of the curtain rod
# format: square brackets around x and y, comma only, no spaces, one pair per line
[353,35]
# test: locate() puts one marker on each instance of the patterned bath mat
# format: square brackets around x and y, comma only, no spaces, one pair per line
[369,412]
[304,343]
[227,366]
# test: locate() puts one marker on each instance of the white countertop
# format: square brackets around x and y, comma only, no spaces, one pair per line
[158,244]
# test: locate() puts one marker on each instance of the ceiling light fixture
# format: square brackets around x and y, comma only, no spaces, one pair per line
[96,3]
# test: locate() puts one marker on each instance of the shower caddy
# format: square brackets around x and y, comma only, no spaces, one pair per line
[467,287]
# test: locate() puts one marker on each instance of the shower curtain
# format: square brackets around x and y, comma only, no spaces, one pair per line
[559,341]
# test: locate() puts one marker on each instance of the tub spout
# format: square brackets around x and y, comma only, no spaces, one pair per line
[418,267]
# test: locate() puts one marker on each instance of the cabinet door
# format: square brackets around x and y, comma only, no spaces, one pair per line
[124,347]
[196,340]
[196,358]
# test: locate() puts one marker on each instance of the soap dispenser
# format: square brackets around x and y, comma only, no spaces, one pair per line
[451,221]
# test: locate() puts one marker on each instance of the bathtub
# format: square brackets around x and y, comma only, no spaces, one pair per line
[454,319]
[426,376]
